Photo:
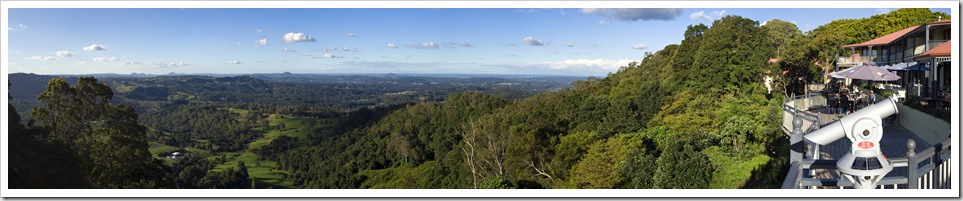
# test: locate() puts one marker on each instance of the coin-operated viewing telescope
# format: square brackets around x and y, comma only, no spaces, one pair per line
[865,164]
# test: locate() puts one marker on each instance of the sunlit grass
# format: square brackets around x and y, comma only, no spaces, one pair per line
[264,171]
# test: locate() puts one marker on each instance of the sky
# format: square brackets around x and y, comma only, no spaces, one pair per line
[569,41]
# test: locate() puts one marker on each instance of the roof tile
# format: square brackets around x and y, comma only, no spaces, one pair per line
[887,39]
[940,51]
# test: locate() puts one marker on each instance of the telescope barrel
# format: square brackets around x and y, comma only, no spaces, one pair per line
[837,130]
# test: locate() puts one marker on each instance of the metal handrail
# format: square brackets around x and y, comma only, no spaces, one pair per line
[792,177]
[933,159]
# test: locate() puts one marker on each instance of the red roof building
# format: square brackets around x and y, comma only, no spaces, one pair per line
[927,44]
[884,40]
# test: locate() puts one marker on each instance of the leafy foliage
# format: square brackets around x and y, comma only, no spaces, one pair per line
[692,115]
[100,141]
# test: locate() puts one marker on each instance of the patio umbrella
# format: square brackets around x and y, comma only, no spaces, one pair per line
[870,72]
[917,67]
[898,66]
[838,74]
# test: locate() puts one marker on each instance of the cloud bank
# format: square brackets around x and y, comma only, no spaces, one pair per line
[44,58]
[106,59]
[640,46]
[702,15]
[425,45]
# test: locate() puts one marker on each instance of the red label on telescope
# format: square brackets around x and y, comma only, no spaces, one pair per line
[865,144]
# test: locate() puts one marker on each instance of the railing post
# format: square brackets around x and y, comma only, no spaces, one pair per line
[796,144]
[796,148]
[912,166]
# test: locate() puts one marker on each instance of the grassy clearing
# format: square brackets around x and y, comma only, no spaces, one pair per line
[154,148]
[263,171]
[241,112]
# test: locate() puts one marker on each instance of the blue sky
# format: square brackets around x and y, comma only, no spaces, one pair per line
[567,41]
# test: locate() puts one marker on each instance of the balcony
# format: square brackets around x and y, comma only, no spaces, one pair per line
[854,60]
[934,44]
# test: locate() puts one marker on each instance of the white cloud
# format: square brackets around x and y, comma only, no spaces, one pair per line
[532,42]
[429,45]
[171,64]
[635,14]
[21,27]
[259,30]
[882,10]
[700,14]
[331,56]
[343,49]
[82,62]
[719,13]
[350,34]
[297,37]
[569,44]
[95,47]
[598,64]
[392,45]
[238,43]
[261,43]
[640,46]
[510,44]
[287,50]
[425,45]
[603,22]
[44,58]
[464,44]
[234,62]
[64,53]
[131,63]
[106,59]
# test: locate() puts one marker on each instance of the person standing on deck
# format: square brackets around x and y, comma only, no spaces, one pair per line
[844,104]
[833,102]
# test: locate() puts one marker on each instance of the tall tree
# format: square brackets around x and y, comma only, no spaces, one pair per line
[111,146]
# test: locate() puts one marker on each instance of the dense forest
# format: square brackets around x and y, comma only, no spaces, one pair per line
[693,115]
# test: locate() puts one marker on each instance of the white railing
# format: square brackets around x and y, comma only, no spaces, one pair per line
[799,106]
[928,169]
[934,44]
[855,59]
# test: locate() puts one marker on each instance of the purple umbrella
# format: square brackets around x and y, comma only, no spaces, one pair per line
[869,72]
